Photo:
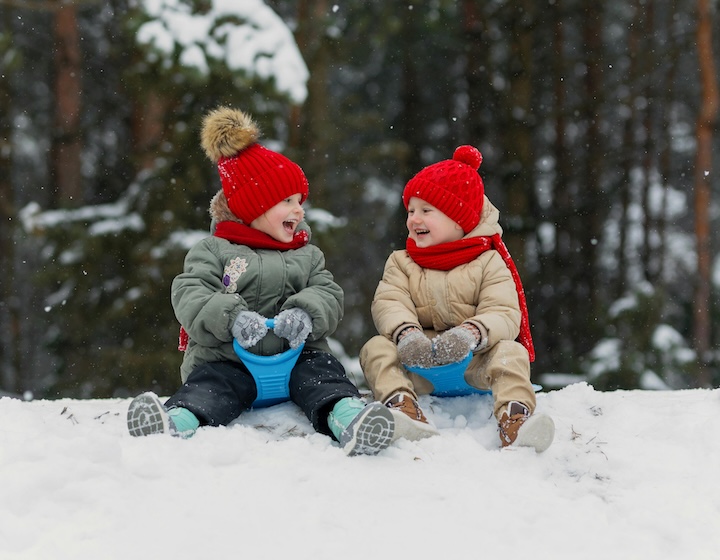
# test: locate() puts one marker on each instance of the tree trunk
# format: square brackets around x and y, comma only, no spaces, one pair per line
[66,142]
[555,275]
[593,201]
[672,54]
[317,130]
[519,133]
[409,121]
[9,320]
[148,128]
[647,160]
[481,97]
[629,154]
[703,166]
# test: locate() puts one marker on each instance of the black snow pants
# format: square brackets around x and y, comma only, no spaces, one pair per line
[217,392]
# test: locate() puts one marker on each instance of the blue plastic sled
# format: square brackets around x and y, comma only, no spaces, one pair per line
[449,380]
[271,373]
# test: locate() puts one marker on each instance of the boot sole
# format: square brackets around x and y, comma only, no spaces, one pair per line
[538,432]
[370,432]
[411,430]
[146,416]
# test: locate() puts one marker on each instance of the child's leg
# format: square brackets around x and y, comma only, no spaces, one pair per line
[384,372]
[317,382]
[319,386]
[216,393]
[395,387]
[505,369]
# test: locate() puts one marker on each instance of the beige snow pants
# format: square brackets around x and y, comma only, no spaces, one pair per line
[504,369]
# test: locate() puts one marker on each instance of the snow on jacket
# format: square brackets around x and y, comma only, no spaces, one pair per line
[482,292]
[220,279]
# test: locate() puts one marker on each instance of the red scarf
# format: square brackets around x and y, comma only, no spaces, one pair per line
[253,238]
[256,239]
[446,256]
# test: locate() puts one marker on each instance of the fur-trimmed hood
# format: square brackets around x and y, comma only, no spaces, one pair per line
[489,221]
[220,211]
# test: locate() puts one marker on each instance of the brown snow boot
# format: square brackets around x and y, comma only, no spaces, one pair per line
[410,421]
[520,429]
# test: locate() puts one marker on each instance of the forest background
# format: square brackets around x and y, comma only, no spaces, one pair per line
[598,123]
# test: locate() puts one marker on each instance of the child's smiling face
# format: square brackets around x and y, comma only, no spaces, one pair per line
[281,221]
[428,226]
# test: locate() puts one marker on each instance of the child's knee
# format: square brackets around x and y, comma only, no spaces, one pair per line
[377,346]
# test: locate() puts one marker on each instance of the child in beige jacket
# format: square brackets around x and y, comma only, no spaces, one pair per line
[453,290]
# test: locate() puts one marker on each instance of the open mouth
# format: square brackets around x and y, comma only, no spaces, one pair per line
[421,232]
[290,225]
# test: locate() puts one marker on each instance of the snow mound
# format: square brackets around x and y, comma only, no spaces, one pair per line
[631,474]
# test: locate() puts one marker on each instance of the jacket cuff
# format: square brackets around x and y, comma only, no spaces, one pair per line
[398,331]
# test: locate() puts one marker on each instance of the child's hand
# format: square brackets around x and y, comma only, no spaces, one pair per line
[293,324]
[249,327]
[454,344]
[415,349]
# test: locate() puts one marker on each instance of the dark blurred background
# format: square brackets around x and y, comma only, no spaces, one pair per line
[598,123]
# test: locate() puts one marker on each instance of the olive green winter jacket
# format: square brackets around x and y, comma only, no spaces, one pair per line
[220,279]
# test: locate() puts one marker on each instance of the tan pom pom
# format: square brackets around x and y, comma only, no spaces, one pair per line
[227,131]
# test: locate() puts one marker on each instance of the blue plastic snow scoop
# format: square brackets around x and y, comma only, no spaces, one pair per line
[449,379]
[271,373]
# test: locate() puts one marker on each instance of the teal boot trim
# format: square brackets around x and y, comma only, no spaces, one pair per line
[344,412]
[183,422]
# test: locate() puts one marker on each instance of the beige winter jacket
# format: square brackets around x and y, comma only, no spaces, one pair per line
[481,292]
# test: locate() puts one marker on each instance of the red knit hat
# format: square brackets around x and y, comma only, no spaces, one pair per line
[254,179]
[453,186]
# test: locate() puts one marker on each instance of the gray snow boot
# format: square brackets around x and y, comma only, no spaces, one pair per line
[361,429]
[147,415]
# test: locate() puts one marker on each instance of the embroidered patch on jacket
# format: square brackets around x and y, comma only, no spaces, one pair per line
[233,271]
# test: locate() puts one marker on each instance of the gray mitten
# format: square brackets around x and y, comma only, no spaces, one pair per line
[249,327]
[453,345]
[415,349]
[293,324]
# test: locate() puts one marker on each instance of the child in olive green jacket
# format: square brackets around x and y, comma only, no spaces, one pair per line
[258,264]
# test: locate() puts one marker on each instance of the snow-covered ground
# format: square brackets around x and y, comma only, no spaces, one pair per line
[631,474]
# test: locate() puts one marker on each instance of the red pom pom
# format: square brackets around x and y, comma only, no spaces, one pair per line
[468,155]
